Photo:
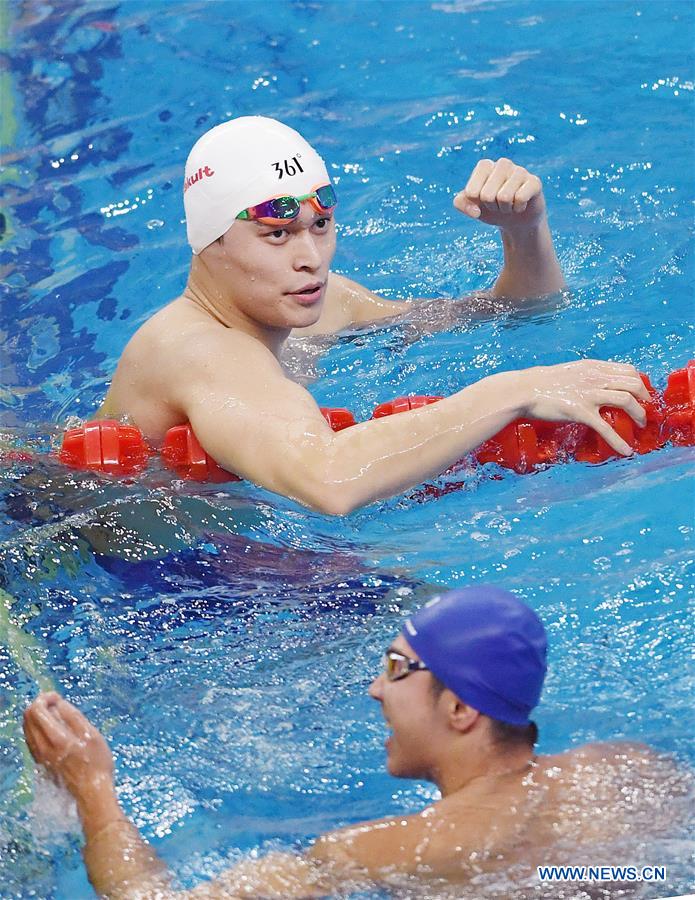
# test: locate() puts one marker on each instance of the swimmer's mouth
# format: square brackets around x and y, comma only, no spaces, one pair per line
[309,293]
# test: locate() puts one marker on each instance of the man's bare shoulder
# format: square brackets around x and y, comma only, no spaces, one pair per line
[608,765]
[182,333]
[613,754]
[441,840]
[181,345]
[629,781]
[179,350]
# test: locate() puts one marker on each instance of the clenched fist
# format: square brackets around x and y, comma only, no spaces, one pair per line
[502,194]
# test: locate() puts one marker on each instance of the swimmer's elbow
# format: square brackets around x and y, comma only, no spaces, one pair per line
[318,478]
[326,494]
[331,502]
[340,507]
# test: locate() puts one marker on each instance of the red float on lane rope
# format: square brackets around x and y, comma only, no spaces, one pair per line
[105,446]
[338,419]
[679,402]
[181,451]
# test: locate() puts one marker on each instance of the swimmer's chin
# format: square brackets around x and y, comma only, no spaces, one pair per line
[304,315]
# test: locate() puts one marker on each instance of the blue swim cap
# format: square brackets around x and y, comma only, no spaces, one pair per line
[486,646]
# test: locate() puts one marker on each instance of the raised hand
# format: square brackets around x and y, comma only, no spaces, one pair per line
[68,745]
[503,194]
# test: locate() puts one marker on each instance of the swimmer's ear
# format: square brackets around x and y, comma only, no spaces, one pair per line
[460,715]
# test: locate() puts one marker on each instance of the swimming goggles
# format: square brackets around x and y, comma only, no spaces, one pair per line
[397,665]
[280,210]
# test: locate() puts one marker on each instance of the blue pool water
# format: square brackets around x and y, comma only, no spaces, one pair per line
[224,639]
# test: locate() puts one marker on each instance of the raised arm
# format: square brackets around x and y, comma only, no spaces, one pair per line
[120,864]
[498,193]
[258,424]
[511,198]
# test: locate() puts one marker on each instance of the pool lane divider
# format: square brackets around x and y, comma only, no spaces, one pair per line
[116,449]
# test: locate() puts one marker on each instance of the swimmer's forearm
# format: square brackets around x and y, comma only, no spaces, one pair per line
[120,864]
[531,267]
[97,805]
[378,459]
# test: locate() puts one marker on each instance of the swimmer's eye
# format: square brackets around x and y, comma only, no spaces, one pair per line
[277,234]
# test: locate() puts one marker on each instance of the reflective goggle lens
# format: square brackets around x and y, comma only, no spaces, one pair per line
[326,196]
[279,208]
[395,666]
[283,209]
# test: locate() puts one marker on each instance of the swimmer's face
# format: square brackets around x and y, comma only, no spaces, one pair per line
[418,728]
[276,275]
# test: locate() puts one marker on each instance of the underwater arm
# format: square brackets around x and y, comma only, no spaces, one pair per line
[351,859]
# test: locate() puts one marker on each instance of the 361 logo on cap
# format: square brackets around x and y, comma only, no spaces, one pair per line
[288,166]
[203,172]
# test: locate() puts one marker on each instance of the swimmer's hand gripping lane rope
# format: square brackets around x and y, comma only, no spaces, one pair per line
[117,449]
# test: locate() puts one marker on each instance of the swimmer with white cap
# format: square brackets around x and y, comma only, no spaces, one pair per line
[457,690]
[260,215]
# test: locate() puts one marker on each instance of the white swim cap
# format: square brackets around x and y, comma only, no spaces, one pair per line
[239,164]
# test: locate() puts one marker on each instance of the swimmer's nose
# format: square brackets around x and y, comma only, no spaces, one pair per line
[307,254]
[376,688]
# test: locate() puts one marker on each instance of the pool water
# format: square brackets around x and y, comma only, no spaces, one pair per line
[224,638]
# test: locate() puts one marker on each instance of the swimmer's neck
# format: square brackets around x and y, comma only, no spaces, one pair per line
[471,770]
[206,295]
